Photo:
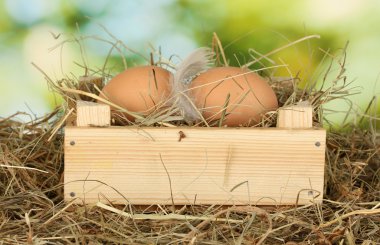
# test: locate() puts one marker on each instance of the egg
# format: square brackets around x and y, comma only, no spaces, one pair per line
[247,95]
[140,89]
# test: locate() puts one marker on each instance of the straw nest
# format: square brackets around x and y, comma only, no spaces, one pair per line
[32,210]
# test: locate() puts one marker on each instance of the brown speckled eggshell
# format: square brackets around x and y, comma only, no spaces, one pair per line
[250,95]
[139,89]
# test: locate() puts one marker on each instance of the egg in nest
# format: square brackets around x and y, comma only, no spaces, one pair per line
[241,95]
[141,89]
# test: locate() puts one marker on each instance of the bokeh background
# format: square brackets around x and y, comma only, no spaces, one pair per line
[36,31]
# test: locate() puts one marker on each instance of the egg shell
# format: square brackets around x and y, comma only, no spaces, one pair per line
[139,89]
[250,96]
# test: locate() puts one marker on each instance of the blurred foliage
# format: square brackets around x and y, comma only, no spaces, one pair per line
[262,25]
[244,27]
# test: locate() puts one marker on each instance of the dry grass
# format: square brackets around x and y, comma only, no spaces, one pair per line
[32,210]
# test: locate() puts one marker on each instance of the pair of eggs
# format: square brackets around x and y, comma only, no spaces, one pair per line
[241,96]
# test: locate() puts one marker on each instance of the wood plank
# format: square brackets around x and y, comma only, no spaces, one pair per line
[295,116]
[93,114]
[209,166]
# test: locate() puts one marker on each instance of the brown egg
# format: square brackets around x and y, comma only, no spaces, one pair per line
[250,96]
[140,89]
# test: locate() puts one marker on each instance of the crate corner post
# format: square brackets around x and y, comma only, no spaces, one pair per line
[93,114]
[295,116]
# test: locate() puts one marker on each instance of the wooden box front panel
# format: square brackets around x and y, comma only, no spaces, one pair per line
[266,166]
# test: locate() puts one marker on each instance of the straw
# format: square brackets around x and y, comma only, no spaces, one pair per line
[32,210]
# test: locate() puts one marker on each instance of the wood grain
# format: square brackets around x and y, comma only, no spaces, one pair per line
[93,114]
[296,116]
[208,166]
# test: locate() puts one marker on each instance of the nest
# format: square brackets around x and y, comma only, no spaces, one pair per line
[32,210]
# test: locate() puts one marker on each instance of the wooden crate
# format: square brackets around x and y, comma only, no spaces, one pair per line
[189,165]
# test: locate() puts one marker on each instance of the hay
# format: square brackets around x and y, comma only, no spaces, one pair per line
[32,210]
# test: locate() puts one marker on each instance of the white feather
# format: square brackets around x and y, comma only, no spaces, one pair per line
[196,62]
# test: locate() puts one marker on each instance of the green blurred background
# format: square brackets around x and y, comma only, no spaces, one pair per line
[30,29]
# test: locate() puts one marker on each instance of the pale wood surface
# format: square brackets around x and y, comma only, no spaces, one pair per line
[208,166]
[93,114]
[296,116]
